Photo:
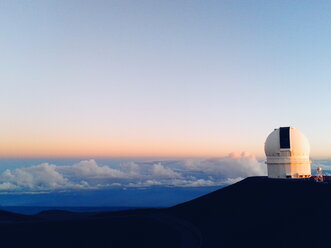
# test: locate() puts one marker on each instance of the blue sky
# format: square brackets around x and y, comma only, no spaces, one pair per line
[184,83]
[162,78]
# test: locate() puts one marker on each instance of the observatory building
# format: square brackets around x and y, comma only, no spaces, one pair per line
[287,151]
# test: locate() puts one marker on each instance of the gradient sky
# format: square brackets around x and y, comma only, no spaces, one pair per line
[162,78]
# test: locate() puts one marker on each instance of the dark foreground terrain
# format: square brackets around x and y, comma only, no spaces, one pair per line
[256,212]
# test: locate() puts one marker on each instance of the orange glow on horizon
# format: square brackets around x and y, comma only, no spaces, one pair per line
[156,151]
[95,148]
[49,147]
[175,146]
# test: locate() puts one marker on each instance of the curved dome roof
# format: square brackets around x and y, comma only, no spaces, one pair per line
[287,139]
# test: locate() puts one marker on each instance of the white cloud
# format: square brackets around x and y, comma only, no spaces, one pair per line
[201,183]
[160,171]
[233,166]
[88,174]
[37,177]
[90,169]
[7,186]
[131,168]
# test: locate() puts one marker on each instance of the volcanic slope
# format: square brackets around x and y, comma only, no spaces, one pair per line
[262,212]
[255,212]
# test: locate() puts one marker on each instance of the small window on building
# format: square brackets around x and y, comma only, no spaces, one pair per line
[284,137]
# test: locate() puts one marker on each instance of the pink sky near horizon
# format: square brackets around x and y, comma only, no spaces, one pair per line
[162,78]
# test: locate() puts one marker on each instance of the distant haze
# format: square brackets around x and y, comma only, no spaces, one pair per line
[124,183]
[162,78]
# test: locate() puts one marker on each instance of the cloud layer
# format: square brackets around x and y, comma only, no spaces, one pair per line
[88,174]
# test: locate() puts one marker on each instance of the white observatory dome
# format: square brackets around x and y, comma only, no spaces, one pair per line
[287,151]
[298,143]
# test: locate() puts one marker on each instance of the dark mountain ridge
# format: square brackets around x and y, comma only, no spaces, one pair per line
[262,212]
[256,212]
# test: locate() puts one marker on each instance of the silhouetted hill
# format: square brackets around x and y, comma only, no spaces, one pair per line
[256,212]
[262,212]
[8,217]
